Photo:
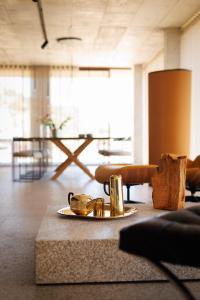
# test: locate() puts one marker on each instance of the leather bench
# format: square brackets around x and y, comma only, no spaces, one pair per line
[172,237]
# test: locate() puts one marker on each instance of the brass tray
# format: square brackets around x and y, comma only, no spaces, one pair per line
[128,211]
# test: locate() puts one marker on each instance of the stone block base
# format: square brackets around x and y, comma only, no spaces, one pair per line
[80,251]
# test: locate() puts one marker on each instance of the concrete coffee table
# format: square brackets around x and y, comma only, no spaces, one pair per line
[76,251]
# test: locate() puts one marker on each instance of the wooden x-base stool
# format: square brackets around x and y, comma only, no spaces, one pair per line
[72,157]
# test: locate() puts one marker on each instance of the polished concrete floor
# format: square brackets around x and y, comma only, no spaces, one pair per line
[22,206]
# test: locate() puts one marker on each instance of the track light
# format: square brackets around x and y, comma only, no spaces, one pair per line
[44,44]
[42,23]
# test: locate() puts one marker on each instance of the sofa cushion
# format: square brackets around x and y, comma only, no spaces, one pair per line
[172,237]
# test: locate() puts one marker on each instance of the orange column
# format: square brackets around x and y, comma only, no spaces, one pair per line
[169,113]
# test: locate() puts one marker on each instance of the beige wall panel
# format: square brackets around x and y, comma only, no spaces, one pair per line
[169,113]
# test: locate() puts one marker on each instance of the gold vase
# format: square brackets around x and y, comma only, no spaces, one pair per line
[116,195]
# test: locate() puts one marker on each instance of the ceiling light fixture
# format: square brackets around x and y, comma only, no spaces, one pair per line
[67,38]
[41,16]
[70,45]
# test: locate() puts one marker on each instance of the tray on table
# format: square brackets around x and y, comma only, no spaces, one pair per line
[128,211]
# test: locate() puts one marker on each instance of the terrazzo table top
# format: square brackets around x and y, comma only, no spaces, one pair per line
[56,227]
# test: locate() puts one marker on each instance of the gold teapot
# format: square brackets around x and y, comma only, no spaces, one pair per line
[81,204]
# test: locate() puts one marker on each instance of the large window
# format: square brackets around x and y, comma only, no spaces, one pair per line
[15,87]
[99,102]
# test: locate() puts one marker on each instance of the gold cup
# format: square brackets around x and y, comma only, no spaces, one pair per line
[99,207]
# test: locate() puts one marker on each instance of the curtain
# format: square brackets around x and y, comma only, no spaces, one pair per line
[15,95]
[15,88]
[98,102]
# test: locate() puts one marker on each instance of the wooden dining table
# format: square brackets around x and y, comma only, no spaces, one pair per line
[72,157]
[61,143]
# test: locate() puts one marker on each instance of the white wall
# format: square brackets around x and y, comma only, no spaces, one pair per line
[138,139]
[190,59]
[156,64]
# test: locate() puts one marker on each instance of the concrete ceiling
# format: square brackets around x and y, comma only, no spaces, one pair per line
[116,33]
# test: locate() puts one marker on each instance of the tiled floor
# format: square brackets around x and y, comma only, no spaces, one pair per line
[22,206]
